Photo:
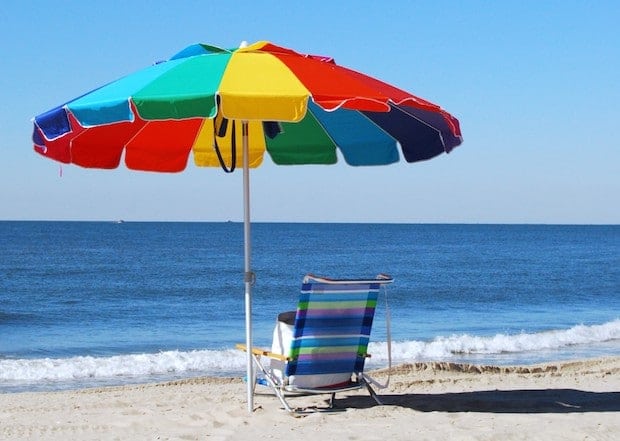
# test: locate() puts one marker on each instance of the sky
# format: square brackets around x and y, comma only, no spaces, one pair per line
[534,84]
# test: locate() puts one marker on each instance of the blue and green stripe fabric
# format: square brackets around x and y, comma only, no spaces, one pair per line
[332,328]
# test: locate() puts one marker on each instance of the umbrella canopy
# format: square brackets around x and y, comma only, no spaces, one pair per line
[299,108]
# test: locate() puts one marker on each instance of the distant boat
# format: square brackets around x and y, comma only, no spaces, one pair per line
[120,221]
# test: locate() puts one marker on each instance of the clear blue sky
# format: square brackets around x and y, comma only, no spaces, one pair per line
[535,85]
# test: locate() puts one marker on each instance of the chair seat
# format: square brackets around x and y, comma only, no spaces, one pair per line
[343,387]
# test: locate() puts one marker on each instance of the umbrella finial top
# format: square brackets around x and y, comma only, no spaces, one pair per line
[243,44]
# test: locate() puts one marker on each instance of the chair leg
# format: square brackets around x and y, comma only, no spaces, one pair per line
[272,384]
[373,393]
[331,400]
[280,395]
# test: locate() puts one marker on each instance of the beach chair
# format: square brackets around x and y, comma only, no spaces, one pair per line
[321,348]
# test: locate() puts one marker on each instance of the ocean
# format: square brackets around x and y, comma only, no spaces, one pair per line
[85,304]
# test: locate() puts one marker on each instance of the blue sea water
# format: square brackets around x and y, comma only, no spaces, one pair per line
[100,303]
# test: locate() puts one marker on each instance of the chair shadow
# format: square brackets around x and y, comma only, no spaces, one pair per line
[496,401]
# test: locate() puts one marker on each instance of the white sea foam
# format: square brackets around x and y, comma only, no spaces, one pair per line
[165,363]
[469,345]
[20,374]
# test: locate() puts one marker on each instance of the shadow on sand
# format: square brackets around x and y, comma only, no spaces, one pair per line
[496,401]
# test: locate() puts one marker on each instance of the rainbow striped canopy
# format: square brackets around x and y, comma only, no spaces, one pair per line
[299,108]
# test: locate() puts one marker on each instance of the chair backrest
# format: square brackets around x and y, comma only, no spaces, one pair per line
[332,325]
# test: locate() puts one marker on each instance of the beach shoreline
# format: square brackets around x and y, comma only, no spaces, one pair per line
[577,399]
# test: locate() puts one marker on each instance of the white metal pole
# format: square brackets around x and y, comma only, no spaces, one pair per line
[248,275]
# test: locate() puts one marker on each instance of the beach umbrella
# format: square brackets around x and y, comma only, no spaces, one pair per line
[229,106]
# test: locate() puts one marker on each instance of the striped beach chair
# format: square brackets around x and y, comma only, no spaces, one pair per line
[323,348]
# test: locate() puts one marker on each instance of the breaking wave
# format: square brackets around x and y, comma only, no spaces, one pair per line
[523,345]
[88,371]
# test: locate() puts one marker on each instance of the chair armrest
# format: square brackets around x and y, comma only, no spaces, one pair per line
[263,352]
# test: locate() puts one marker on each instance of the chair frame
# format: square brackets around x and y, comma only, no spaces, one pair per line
[281,389]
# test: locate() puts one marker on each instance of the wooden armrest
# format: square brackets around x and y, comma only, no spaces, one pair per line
[263,352]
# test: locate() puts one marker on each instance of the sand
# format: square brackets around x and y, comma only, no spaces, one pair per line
[577,400]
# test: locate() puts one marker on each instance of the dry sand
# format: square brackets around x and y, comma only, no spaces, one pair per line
[577,400]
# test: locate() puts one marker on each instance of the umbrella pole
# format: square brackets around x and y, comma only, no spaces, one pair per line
[248,275]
